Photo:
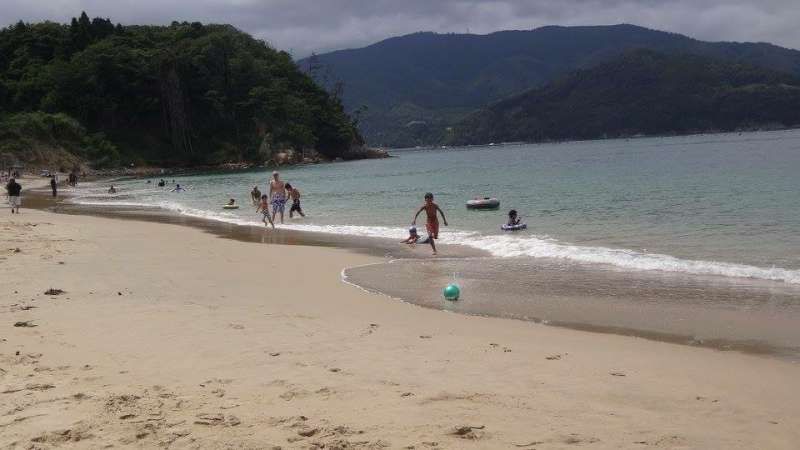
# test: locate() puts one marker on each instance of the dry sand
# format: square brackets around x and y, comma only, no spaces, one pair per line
[168,336]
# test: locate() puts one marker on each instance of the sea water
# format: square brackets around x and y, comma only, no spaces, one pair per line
[723,208]
[724,205]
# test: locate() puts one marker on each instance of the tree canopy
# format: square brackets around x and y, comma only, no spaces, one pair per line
[183,94]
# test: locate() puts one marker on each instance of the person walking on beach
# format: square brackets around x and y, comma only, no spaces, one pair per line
[277,195]
[294,194]
[432,224]
[54,185]
[14,190]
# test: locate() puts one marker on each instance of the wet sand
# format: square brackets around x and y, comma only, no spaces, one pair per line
[723,313]
[159,335]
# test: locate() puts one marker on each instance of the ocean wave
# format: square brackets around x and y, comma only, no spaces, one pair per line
[508,246]
[501,246]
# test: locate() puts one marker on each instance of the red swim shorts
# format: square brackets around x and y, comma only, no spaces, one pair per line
[433,228]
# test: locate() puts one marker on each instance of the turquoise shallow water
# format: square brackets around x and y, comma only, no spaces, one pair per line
[724,205]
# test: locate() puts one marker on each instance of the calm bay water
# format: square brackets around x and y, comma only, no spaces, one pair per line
[714,204]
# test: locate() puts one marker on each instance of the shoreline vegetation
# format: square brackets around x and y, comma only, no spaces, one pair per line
[103,96]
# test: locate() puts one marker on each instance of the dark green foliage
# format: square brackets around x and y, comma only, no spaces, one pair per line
[54,140]
[415,85]
[184,94]
[641,92]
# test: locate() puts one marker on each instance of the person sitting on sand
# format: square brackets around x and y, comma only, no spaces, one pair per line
[112,190]
[14,189]
[263,207]
[178,188]
[513,220]
[255,195]
[432,224]
[294,194]
[413,236]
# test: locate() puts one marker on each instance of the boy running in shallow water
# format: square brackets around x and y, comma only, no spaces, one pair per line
[263,207]
[294,194]
[432,225]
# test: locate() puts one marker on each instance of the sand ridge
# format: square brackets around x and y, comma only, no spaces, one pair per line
[165,336]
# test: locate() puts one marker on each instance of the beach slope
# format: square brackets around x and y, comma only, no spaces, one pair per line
[169,336]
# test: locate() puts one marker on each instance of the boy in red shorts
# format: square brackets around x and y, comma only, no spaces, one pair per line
[432,225]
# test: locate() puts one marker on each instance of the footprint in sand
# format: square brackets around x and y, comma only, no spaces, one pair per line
[371,329]
[469,432]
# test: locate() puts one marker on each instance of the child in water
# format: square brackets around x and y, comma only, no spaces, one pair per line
[413,237]
[232,202]
[513,220]
[264,208]
[432,224]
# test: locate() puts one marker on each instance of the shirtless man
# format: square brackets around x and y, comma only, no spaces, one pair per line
[277,195]
[432,225]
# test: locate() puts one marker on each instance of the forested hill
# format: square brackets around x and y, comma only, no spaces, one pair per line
[174,95]
[641,92]
[415,85]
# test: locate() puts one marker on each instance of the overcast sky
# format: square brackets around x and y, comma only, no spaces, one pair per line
[303,26]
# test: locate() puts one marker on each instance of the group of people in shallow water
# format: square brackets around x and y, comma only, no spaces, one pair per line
[274,202]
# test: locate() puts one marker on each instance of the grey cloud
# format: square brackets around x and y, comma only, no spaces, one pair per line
[305,26]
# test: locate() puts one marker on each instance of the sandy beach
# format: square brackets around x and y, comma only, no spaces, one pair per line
[168,336]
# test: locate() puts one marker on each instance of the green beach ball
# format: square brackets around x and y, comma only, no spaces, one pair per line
[451,292]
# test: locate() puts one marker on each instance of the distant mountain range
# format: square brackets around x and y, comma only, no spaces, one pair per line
[414,87]
[640,92]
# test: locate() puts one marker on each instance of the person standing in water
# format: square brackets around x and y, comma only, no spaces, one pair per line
[432,225]
[54,185]
[263,207]
[277,195]
[255,195]
[294,194]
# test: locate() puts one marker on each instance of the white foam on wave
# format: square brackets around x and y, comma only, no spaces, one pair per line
[512,246]
[503,246]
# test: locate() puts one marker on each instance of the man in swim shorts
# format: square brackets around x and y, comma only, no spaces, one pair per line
[432,224]
[294,194]
[277,195]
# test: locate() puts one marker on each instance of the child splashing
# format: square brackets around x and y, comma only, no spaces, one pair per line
[432,224]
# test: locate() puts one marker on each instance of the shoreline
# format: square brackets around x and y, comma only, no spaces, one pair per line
[391,253]
[168,336]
